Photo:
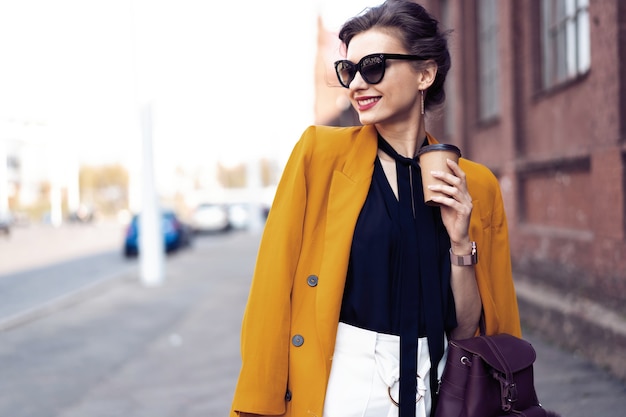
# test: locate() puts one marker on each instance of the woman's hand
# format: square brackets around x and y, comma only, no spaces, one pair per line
[456,206]
[456,209]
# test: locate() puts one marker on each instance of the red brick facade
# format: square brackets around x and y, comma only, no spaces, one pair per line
[558,153]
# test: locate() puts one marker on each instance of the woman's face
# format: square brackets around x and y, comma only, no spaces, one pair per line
[396,99]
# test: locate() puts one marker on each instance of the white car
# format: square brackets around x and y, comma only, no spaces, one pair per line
[210,217]
[239,216]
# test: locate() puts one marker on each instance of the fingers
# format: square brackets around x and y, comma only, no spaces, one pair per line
[454,183]
[453,191]
[457,176]
[453,199]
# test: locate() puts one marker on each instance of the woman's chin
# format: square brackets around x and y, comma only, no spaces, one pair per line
[366,119]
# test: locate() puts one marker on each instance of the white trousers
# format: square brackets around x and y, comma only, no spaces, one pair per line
[365,373]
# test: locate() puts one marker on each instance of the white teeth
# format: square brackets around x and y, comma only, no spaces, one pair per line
[367,101]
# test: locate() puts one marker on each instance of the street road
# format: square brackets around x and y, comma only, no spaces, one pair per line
[30,292]
[122,349]
[41,266]
[37,245]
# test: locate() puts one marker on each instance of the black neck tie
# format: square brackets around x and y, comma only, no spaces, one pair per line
[420,272]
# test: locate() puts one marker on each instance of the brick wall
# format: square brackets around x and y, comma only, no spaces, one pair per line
[558,154]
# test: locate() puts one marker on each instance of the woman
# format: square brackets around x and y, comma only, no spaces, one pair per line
[358,284]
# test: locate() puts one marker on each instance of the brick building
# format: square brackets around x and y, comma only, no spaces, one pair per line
[537,92]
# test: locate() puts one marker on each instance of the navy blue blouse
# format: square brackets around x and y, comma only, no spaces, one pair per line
[395,251]
[371,297]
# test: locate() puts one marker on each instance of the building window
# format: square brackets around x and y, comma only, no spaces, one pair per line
[488,64]
[565,40]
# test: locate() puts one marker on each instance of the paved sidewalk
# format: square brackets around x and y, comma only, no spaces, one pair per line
[173,351]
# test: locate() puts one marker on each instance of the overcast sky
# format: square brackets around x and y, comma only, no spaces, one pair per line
[228,80]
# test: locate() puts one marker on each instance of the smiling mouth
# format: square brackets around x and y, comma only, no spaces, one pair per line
[367,101]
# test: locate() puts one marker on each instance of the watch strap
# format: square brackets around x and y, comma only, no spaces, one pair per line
[465,260]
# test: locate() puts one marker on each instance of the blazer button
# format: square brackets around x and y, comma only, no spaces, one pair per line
[297,340]
[288,395]
[312,280]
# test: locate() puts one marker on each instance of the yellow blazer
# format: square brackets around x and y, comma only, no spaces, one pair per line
[290,321]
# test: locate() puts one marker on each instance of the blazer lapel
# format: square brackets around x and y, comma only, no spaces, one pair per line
[349,188]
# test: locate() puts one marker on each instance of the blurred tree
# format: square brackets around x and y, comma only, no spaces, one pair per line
[232,177]
[104,188]
[236,176]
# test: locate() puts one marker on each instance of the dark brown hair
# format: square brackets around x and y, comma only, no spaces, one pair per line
[418,31]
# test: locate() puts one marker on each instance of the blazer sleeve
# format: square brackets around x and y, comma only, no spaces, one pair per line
[494,271]
[265,332]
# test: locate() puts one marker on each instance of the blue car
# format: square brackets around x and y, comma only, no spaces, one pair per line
[176,234]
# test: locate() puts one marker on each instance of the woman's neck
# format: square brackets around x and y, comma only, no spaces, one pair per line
[406,140]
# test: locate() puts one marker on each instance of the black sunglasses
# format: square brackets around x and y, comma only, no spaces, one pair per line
[371,67]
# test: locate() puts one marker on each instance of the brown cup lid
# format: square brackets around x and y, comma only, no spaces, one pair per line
[439,147]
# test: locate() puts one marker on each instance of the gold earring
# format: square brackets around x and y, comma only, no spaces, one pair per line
[422,92]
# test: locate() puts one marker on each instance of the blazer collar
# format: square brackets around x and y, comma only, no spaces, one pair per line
[360,159]
[361,156]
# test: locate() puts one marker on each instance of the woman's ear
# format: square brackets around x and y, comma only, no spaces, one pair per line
[426,75]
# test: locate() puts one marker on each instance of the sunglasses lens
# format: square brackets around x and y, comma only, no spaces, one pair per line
[345,72]
[373,69]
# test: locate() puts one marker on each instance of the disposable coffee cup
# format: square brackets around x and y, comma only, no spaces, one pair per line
[433,158]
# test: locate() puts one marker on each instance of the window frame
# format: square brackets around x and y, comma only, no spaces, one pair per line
[565,41]
[489,67]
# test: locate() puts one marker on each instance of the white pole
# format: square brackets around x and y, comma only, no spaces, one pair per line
[56,211]
[4,179]
[151,246]
[56,166]
[73,184]
[56,198]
